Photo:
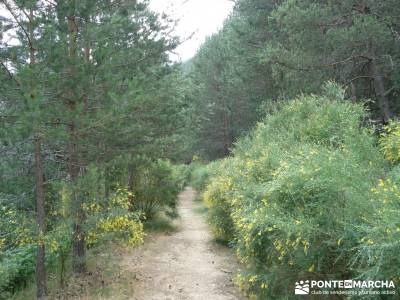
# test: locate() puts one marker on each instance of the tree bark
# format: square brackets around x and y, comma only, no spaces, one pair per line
[40,209]
[353,92]
[227,132]
[40,260]
[79,245]
[379,87]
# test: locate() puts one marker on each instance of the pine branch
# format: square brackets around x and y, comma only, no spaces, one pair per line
[9,73]
[11,11]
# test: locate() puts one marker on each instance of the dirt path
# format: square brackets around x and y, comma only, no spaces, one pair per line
[186,264]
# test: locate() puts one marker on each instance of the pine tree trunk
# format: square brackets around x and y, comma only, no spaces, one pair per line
[226,132]
[40,209]
[40,260]
[379,87]
[79,245]
[227,135]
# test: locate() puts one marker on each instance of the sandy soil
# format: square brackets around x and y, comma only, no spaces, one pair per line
[185,264]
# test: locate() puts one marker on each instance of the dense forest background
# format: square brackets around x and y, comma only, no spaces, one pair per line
[270,51]
[96,120]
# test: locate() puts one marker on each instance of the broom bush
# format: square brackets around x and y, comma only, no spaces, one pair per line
[309,195]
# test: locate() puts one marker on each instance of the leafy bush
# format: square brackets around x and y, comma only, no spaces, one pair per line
[377,252]
[16,266]
[390,142]
[201,174]
[112,213]
[181,173]
[199,177]
[107,219]
[217,198]
[16,229]
[305,196]
[17,253]
[113,220]
[156,188]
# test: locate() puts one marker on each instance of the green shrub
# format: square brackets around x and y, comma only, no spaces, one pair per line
[390,142]
[201,174]
[181,173]
[377,253]
[199,177]
[16,266]
[114,220]
[379,244]
[156,188]
[301,198]
[107,218]
[217,200]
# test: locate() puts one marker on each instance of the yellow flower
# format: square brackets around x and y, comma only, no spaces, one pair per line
[2,243]
[311,268]
[264,285]
[54,246]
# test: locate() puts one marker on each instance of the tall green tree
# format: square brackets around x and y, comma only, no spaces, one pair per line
[22,15]
[354,42]
[228,88]
[85,83]
[270,51]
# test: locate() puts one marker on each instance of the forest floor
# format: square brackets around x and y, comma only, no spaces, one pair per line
[183,264]
[178,261]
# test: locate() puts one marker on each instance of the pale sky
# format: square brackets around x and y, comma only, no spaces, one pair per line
[201,17]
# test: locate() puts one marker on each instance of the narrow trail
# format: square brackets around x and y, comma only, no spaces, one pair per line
[185,265]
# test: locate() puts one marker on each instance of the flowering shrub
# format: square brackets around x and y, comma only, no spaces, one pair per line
[390,142]
[377,251]
[123,226]
[306,196]
[107,219]
[216,197]
[201,174]
[114,219]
